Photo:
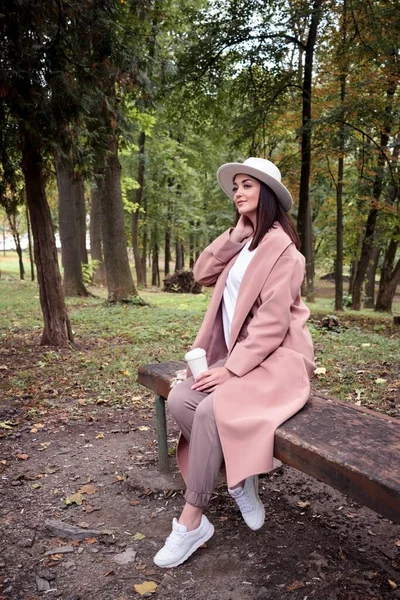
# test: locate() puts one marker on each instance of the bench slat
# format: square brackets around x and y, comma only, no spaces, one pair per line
[354,450]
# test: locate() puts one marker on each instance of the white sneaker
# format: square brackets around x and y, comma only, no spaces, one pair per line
[181,543]
[248,501]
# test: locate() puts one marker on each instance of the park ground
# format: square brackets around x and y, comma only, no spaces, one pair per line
[78,448]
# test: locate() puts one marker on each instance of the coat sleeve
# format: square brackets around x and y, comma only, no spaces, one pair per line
[216,256]
[268,327]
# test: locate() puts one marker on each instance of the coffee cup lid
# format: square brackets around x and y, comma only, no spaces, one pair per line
[195,353]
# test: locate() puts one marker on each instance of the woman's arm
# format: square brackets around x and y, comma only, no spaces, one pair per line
[216,256]
[268,327]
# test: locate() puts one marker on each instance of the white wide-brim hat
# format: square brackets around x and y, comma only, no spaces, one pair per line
[261,169]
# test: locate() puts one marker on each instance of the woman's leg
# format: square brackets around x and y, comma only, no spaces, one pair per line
[205,455]
[194,414]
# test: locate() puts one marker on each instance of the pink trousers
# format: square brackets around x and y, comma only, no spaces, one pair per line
[194,413]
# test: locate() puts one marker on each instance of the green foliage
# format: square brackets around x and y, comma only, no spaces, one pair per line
[88,269]
[347,300]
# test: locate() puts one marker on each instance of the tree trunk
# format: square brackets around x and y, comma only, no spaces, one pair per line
[57,329]
[12,220]
[178,256]
[368,241]
[354,263]
[4,237]
[135,215]
[340,177]
[79,194]
[119,277]
[387,292]
[167,250]
[167,241]
[183,255]
[68,227]
[28,226]
[96,252]
[155,270]
[369,299]
[304,219]
[388,275]
[144,244]
[339,230]
[191,248]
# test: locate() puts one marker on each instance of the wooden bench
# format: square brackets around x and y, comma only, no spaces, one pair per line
[352,449]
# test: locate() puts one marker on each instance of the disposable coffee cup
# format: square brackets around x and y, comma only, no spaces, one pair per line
[197,361]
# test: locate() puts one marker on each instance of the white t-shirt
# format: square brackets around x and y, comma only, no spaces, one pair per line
[232,286]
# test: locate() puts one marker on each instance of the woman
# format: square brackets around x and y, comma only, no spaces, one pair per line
[259,349]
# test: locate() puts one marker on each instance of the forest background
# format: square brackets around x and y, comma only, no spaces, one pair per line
[115,116]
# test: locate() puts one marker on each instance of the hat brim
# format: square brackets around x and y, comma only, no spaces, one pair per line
[227,172]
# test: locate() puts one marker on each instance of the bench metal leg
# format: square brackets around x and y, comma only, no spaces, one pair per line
[163,463]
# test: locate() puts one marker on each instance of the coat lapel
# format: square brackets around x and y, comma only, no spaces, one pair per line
[272,246]
[206,332]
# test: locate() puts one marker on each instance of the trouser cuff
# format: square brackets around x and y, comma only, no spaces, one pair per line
[198,499]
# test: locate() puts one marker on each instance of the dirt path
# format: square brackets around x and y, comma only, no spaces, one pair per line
[316,544]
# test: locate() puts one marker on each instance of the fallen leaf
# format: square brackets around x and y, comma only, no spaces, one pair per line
[138,536]
[36,486]
[74,499]
[91,540]
[44,445]
[83,524]
[89,508]
[143,428]
[99,436]
[380,381]
[107,573]
[22,456]
[5,425]
[392,584]
[56,556]
[36,427]
[320,371]
[88,489]
[365,345]
[147,587]
[296,585]
[397,543]
[305,504]
[134,502]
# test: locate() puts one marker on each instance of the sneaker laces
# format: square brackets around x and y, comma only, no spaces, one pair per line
[244,502]
[174,539]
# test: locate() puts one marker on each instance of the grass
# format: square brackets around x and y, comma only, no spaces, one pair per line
[9,264]
[361,356]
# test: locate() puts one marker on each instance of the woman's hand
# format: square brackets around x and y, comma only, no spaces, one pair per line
[243,229]
[209,380]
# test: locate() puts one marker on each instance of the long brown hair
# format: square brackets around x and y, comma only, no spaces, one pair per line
[270,210]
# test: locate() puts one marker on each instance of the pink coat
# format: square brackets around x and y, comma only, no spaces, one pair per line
[270,353]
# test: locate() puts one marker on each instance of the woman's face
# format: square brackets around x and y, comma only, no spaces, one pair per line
[246,193]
